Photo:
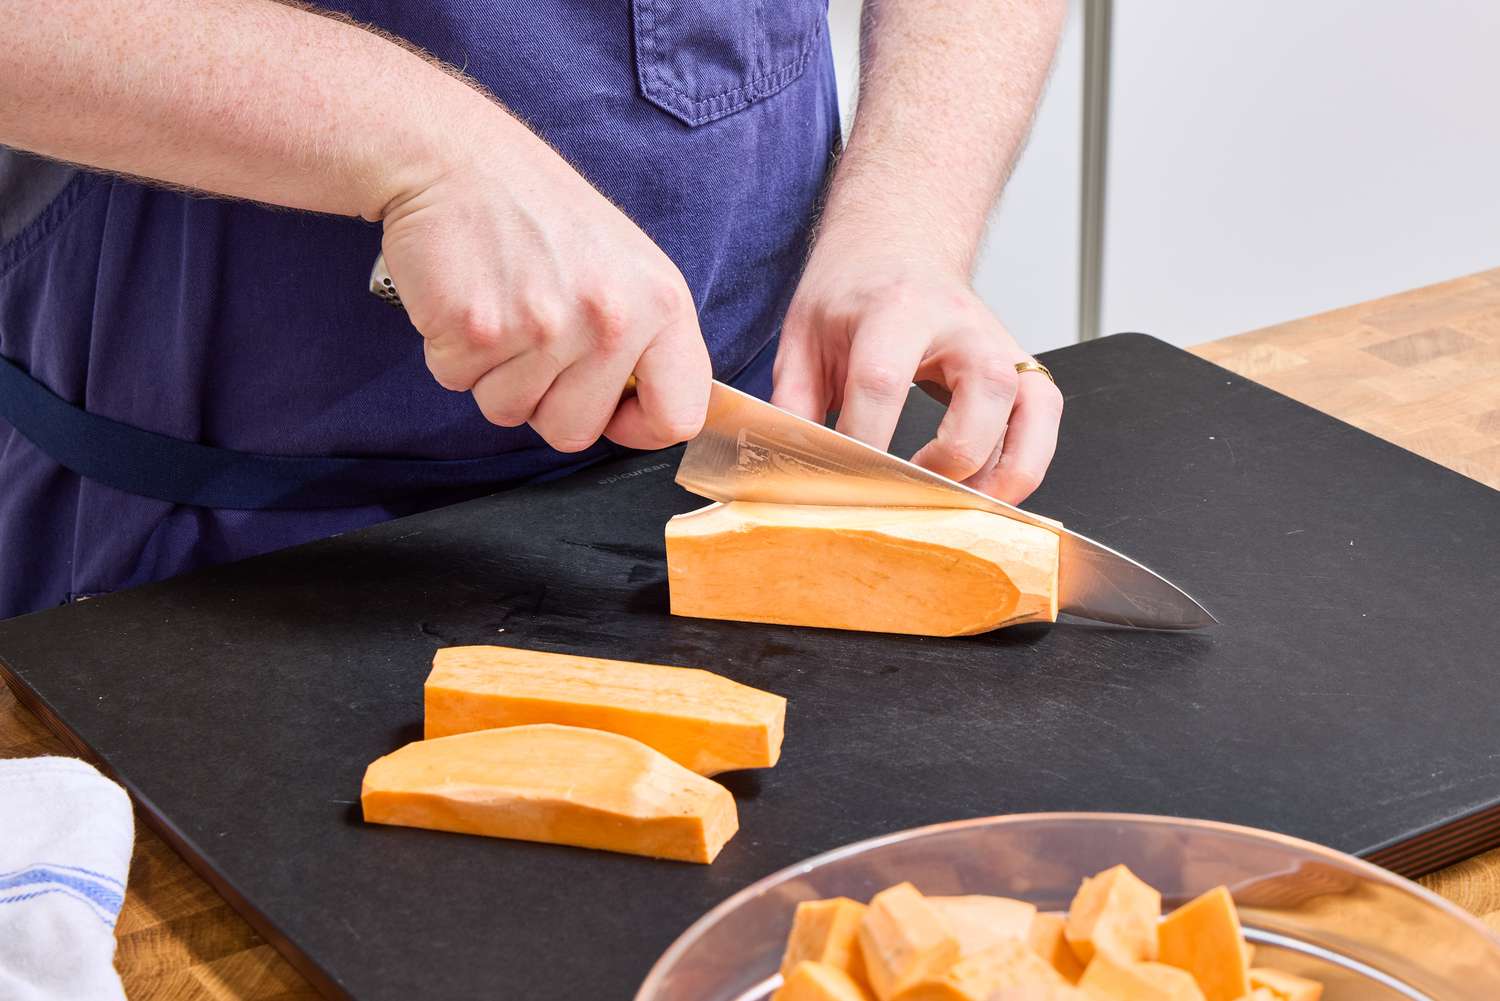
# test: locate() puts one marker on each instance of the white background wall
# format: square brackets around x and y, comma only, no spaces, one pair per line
[1266,161]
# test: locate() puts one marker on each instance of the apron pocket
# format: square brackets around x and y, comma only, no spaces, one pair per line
[700,60]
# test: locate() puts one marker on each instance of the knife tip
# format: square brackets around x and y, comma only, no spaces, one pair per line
[1203,621]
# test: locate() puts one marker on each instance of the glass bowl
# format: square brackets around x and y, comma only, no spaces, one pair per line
[1366,933]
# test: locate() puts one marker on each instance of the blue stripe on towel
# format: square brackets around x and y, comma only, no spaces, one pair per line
[92,887]
[87,872]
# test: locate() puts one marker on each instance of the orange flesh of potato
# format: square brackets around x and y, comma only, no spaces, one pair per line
[827,932]
[923,571]
[1010,964]
[819,982]
[904,940]
[559,784]
[1110,979]
[1049,942]
[979,948]
[1116,912]
[700,720]
[980,922]
[1203,937]
[1039,992]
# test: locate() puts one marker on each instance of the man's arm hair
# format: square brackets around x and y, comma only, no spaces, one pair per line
[257,99]
[947,92]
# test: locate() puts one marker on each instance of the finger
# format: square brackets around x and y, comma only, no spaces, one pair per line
[572,414]
[972,429]
[464,348]
[1030,441]
[799,379]
[989,465]
[671,398]
[508,394]
[883,357]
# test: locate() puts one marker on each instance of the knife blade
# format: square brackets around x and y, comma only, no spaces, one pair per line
[753,451]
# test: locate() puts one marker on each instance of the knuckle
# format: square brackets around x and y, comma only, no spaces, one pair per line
[444,372]
[499,414]
[610,338]
[900,294]
[549,339]
[477,327]
[966,453]
[545,323]
[548,342]
[451,381]
[610,316]
[1049,400]
[681,427]
[880,382]
[1027,479]
[667,296]
[999,373]
[567,440]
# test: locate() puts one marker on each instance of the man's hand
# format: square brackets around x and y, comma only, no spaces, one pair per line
[864,324]
[531,289]
[541,298]
[947,91]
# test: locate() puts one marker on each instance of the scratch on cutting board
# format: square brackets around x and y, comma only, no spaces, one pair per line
[1111,524]
[1084,682]
[1435,790]
[1278,574]
[1234,460]
[1106,722]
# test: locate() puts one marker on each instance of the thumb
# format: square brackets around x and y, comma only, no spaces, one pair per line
[673,376]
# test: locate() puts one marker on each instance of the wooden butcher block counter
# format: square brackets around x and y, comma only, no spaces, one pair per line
[1420,369]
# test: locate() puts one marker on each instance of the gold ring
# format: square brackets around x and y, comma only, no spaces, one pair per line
[1032,365]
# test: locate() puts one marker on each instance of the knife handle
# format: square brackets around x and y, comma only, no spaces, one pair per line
[382,286]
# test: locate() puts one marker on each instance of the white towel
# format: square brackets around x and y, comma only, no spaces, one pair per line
[66,834]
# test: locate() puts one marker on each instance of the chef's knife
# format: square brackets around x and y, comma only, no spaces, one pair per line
[750,450]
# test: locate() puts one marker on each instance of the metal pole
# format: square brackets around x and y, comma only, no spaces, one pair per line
[1097,18]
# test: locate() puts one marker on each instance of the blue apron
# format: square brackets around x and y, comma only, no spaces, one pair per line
[188,380]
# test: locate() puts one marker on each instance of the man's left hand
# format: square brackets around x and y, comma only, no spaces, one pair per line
[869,318]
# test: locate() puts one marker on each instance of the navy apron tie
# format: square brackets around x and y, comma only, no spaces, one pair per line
[154,465]
[184,472]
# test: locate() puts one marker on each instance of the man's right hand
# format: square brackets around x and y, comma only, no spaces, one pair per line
[541,298]
[532,290]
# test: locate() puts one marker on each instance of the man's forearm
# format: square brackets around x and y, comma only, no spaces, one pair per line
[947,93]
[247,98]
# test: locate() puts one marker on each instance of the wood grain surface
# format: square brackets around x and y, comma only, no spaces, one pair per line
[1421,369]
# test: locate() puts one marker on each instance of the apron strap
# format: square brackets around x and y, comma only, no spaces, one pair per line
[143,462]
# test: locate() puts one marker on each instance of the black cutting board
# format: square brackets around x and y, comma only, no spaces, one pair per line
[1350,695]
